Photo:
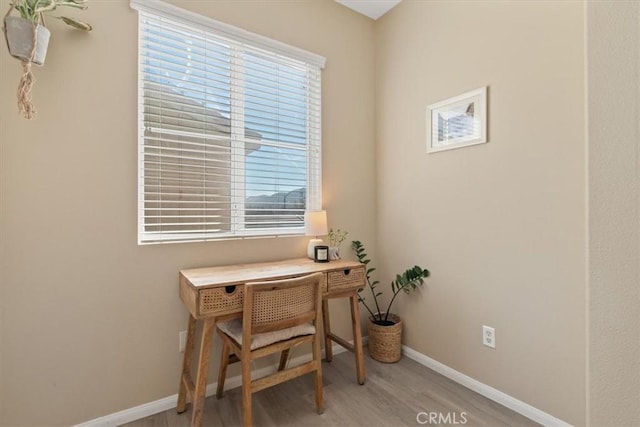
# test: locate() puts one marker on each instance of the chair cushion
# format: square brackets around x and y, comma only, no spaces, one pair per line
[233,328]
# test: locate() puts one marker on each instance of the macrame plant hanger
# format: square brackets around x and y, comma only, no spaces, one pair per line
[25,106]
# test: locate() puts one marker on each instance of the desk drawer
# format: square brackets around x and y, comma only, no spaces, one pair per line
[351,278]
[221,300]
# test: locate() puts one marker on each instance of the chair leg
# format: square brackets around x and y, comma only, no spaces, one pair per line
[222,372]
[283,359]
[246,390]
[317,357]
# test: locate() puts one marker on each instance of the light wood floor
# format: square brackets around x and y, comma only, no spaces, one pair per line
[392,396]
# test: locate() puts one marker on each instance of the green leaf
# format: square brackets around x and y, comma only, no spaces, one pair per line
[44,6]
[407,281]
[71,4]
[79,25]
[24,12]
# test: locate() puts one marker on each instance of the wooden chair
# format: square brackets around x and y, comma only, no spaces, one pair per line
[277,316]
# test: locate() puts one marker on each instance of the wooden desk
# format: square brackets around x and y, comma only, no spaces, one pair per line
[216,294]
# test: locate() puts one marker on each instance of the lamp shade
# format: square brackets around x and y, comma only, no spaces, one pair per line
[315,223]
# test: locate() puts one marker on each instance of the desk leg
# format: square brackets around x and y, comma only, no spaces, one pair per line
[186,366]
[328,349]
[203,371]
[357,337]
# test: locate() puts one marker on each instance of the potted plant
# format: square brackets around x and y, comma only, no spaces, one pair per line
[385,328]
[336,237]
[28,38]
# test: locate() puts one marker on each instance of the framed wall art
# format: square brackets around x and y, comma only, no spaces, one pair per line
[457,122]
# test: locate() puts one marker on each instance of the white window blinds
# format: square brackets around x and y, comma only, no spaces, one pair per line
[229,134]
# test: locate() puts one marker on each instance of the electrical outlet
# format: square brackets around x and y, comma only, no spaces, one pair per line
[488,336]
[182,341]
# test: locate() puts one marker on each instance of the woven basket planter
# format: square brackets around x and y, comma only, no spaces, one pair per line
[385,342]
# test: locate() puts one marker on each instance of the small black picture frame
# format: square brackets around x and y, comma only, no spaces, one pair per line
[321,253]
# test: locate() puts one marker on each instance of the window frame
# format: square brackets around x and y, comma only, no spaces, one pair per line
[241,37]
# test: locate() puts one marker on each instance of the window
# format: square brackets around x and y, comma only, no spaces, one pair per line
[229,130]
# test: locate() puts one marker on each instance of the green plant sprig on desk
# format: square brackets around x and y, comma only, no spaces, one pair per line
[406,282]
[336,237]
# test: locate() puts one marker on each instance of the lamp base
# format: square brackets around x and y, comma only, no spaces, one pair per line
[312,244]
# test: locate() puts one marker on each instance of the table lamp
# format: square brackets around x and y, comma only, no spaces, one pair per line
[315,224]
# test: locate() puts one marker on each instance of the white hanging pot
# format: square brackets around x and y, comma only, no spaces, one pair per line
[20,33]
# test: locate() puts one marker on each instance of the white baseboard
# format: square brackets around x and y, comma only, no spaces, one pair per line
[151,408]
[132,414]
[489,392]
[161,405]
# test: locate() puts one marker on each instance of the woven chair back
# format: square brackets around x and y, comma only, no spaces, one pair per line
[282,304]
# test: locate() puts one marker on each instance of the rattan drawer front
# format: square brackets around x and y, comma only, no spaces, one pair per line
[345,279]
[221,300]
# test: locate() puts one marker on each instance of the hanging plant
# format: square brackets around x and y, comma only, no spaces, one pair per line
[28,38]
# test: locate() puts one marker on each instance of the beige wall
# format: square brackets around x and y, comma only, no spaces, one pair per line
[613,41]
[501,226]
[89,319]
